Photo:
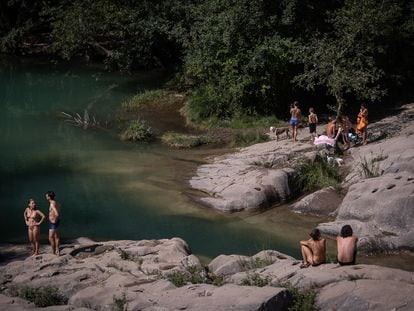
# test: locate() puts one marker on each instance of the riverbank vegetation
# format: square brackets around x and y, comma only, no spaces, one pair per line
[317,175]
[233,58]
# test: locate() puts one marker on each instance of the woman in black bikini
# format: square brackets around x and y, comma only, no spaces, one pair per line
[31,214]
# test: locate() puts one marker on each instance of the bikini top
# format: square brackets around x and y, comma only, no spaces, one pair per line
[30,214]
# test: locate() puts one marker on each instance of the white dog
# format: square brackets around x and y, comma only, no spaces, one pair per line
[337,161]
[278,131]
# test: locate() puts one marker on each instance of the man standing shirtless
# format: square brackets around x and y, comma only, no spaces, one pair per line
[295,116]
[54,210]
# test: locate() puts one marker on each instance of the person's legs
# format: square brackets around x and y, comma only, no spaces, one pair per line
[36,235]
[364,134]
[57,242]
[306,255]
[52,239]
[31,239]
[295,131]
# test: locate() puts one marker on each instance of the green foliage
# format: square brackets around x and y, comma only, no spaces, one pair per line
[369,168]
[346,60]
[302,300]
[137,130]
[194,275]
[317,175]
[120,304]
[237,60]
[243,122]
[255,279]
[144,98]
[256,263]
[178,140]
[178,278]
[236,57]
[248,137]
[22,21]
[126,34]
[124,255]
[43,296]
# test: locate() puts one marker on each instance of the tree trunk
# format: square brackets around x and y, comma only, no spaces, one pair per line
[339,104]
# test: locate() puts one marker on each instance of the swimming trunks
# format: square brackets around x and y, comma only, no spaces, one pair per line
[54,226]
[312,127]
[293,121]
[346,263]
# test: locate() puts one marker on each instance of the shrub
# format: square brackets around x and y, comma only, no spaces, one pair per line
[205,103]
[302,300]
[120,304]
[194,275]
[177,140]
[137,130]
[369,168]
[43,296]
[249,137]
[178,278]
[124,255]
[256,263]
[317,175]
[146,97]
[255,279]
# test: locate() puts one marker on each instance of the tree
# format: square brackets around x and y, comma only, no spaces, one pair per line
[346,60]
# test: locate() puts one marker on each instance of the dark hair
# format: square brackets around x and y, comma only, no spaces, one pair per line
[51,194]
[346,231]
[31,200]
[315,234]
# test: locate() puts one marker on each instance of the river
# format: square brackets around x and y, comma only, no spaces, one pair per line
[111,189]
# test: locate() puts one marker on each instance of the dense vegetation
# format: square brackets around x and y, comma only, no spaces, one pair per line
[237,57]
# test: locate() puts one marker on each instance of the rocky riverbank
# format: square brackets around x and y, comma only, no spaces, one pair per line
[379,199]
[164,275]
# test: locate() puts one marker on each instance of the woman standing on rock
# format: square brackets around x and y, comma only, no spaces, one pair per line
[362,123]
[31,214]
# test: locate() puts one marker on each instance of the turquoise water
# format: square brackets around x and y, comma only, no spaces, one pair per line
[111,189]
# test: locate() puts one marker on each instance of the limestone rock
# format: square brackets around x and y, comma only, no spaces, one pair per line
[380,211]
[98,280]
[256,176]
[323,202]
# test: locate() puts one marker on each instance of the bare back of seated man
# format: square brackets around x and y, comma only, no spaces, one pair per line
[330,129]
[313,250]
[347,246]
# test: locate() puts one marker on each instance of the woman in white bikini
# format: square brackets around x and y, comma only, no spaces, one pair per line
[31,216]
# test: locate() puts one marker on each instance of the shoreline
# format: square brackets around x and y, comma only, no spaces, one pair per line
[164,275]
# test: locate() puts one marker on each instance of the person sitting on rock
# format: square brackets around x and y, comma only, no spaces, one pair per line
[331,128]
[313,250]
[347,246]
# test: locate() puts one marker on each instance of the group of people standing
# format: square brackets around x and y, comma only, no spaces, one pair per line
[340,126]
[33,218]
[314,249]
